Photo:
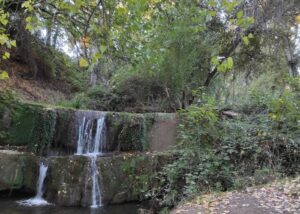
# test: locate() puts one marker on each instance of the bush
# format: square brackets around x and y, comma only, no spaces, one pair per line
[219,154]
[79,101]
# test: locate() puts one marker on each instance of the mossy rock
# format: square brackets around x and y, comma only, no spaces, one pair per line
[125,131]
[123,178]
[65,134]
[17,170]
[66,180]
[54,131]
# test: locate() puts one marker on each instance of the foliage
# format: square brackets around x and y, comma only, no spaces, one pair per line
[79,101]
[5,40]
[218,154]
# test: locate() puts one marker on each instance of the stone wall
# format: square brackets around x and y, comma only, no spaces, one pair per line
[123,178]
[126,173]
[18,171]
[54,131]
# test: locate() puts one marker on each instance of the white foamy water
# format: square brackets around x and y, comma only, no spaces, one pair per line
[33,202]
[96,192]
[38,199]
[91,144]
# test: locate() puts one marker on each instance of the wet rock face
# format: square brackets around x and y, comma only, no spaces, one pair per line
[66,181]
[64,135]
[122,178]
[125,132]
[17,170]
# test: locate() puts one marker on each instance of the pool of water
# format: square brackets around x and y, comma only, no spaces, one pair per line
[10,206]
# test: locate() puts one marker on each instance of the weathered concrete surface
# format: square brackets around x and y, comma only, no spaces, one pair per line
[51,131]
[17,170]
[141,132]
[163,133]
[123,178]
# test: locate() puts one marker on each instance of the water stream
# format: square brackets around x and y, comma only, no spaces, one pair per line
[38,199]
[9,206]
[91,144]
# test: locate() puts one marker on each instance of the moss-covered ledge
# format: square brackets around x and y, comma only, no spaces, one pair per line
[52,131]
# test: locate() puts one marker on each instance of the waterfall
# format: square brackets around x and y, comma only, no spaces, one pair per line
[90,143]
[42,176]
[38,199]
[96,192]
[98,146]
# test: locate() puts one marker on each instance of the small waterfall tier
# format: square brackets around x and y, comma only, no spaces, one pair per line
[91,143]
[91,135]
[38,199]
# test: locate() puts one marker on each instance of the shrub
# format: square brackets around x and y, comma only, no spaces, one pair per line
[219,154]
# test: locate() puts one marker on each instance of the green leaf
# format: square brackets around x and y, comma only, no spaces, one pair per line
[103,48]
[28,27]
[83,63]
[13,43]
[250,36]
[3,39]
[96,57]
[28,19]
[221,67]
[250,20]
[246,40]
[213,13]
[240,14]
[229,63]
[3,75]
[212,3]
[27,5]
[226,65]
[3,21]
[215,61]
[6,55]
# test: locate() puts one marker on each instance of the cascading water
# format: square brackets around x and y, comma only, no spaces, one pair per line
[38,199]
[96,192]
[91,143]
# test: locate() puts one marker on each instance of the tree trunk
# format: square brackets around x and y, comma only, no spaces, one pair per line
[291,58]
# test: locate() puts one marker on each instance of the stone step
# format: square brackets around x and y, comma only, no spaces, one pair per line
[54,131]
[123,178]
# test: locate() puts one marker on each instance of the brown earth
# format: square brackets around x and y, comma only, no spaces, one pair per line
[30,90]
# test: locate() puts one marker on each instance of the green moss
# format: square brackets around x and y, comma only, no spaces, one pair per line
[24,172]
[17,171]
[25,124]
[23,121]
[132,132]
[6,101]
[43,130]
[126,130]
[147,125]
[139,171]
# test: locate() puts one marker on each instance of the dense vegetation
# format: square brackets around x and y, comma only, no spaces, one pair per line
[229,68]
